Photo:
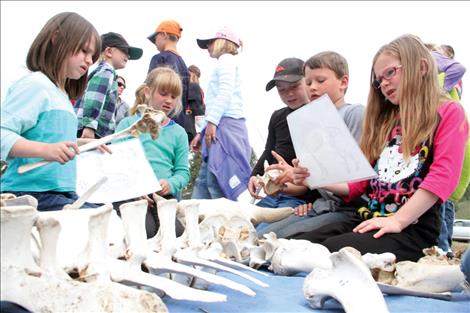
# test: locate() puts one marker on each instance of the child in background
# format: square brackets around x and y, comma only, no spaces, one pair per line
[325,73]
[226,151]
[195,108]
[168,154]
[122,108]
[416,139]
[450,80]
[166,38]
[96,109]
[37,118]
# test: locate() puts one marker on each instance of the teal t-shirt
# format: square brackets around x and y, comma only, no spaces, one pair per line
[35,109]
[168,154]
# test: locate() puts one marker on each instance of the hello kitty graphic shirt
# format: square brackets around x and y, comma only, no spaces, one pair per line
[434,167]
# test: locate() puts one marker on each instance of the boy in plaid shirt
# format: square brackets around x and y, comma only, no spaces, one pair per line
[95,110]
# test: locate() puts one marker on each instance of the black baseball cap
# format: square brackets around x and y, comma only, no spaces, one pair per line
[116,40]
[288,70]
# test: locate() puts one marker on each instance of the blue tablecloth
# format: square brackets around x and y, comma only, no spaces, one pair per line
[284,294]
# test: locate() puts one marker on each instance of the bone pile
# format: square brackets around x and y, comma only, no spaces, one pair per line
[89,259]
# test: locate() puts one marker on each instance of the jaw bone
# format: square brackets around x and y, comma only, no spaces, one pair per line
[345,281]
[190,254]
[133,216]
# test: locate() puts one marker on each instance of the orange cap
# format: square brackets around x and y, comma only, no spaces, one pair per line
[168,26]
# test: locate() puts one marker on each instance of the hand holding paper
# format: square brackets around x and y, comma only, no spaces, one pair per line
[325,146]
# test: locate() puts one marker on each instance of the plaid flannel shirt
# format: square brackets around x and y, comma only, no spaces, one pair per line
[95,109]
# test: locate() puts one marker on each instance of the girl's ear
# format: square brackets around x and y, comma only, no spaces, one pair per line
[147,93]
[423,67]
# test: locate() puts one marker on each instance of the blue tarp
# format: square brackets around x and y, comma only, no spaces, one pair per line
[285,295]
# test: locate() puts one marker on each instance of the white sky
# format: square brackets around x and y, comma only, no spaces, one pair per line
[270,30]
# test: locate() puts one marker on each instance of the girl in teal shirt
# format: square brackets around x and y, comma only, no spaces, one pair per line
[168,154]
[38,121]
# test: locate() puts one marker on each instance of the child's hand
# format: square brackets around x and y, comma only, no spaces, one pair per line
[102,148]
[295,174]
[150,201]
[303,209]
[253,186]
[61,152]
[195,144]
[385,225]
[299,173]
[88,133]
[211,129]
[166,189]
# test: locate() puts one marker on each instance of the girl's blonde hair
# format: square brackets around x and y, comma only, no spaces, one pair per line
[64,35]
[419,100]
[139,98]
[162,80]
[222,46]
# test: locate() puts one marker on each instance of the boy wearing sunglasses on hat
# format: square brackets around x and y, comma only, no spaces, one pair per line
[96,109]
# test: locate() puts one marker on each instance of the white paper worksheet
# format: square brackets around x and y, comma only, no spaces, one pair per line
[324,145]
[127,169]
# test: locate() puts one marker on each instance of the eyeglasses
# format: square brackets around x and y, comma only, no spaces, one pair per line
[121,85]
[388,74]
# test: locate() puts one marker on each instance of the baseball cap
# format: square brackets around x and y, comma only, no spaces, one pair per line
[116,40]
[223,33]
[168,26]
[288,70]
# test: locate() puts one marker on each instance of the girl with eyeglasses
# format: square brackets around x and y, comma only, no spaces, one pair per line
[415,138]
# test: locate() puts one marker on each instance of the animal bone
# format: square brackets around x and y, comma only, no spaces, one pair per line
[49,229]
[228,208]
[77,204]
[150,121]
[17,220]
[428,277]
[188,255]
[347,278]
[133,216]
[9,199]
[290,256]
[267,181]
[432,273]
[49,289]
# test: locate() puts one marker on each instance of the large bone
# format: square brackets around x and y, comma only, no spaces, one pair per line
[15,239]
[49,230]
[251,212]
[290,256]
[49,294]
[188,255]
[347,281]
[133,216]
[49,289]
[428,277]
